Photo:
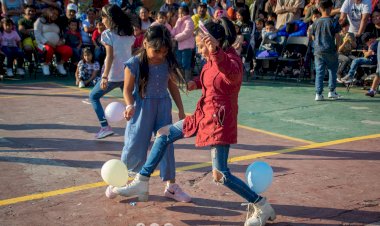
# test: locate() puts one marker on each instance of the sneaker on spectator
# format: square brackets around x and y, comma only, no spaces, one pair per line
[333,95]
[81,84]
[371,93]
[104,132]
[10,72]
[173,191]
[319,97]
[20,71]
[61,69]
[45,69]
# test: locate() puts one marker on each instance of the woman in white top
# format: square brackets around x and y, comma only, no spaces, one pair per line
[118,40]
[49,41]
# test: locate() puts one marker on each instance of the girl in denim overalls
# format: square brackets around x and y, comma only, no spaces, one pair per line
[214,122]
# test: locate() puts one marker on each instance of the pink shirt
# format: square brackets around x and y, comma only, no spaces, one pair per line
[10,39]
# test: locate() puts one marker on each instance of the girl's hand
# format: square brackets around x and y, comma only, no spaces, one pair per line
[181,115]
[191,85]
[128,113]
[104,84]
[210,42]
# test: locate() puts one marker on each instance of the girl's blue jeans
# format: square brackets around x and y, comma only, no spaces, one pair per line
[97,93]
[219,155]
[184,58]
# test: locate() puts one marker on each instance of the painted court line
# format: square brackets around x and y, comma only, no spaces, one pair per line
[186,168]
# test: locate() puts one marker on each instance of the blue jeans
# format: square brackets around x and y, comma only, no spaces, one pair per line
[356,63]
[321,62]
[184,58]
[13,53]
[219,162]
[97,93]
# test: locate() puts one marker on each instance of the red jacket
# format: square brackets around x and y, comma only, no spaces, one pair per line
[215,117]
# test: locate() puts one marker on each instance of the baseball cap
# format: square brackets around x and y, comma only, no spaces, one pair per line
[72,6]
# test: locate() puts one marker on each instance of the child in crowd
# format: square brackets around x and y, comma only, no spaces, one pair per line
[87,72]
[162,19]
[148,77]
[315,15]
[100,51]
[369,56]
[238,44]
[139,38]
[117,39]
[259,26]
[214,122]
[269,37]
[325,32]
[183,34]
[88,27]
[346,42]
[272,17]
[11,47]
[74,39]
[25,27]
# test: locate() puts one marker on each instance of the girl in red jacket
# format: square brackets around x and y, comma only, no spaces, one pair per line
[214,122]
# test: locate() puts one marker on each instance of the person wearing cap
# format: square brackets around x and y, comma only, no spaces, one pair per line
[201,15]
[63,21]
[369,58]
[357,12]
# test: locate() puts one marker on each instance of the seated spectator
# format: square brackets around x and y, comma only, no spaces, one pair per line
[100,50]
[74,39]
[257,32]
[162,20]
[272,17]
[87,73]
[294,28]
[269,38]
[88,27]
[182,32]
[369,58]
[49,41]
[374,27]
[12,9]
[346,42]
[25,27]
[11,47]
[63,20]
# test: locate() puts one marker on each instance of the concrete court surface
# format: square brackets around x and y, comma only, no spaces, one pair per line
[50,169]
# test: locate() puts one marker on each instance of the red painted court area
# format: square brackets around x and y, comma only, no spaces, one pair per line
[50,171]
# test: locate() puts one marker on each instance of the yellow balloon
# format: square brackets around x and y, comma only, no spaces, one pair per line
[114,172]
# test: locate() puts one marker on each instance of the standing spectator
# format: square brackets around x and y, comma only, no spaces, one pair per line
[357,12]
[145,20]
[11,47]
[100,51]
[162,20]
[49,41]
[88,27]
[74,40]
[325,32]
[139,38]
[25,27]
[192,6]
[183,34]
[211,4]
[169,5]
[117,40]
[287,11]
[201,15]
[12,9]
[172,17]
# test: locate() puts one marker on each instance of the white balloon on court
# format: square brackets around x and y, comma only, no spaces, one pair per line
[114,112]
[114,172]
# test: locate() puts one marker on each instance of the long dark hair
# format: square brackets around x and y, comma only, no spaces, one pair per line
[121,23]
[158,36]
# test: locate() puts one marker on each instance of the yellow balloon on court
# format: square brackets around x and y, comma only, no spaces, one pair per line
[114,172]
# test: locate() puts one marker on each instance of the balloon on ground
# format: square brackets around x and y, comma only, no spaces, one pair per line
[114,172]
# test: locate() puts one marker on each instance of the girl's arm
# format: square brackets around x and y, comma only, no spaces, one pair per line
[174,92]
[94,73]
[77,75]
[129,84]
[107,66]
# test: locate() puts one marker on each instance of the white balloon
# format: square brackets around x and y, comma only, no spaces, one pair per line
[114,172]
[114,112]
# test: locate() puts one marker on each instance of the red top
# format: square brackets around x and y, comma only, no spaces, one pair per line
[95,35]
[215,116]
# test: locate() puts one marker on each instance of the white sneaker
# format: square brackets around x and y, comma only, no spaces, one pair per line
[319,97]
[45,69]
[20,71]
[333,95]
[61,69]
[81,84]
[10,72]
[104,132]
[259,213]
[138,187]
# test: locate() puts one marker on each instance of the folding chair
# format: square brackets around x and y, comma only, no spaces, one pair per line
[294,52]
